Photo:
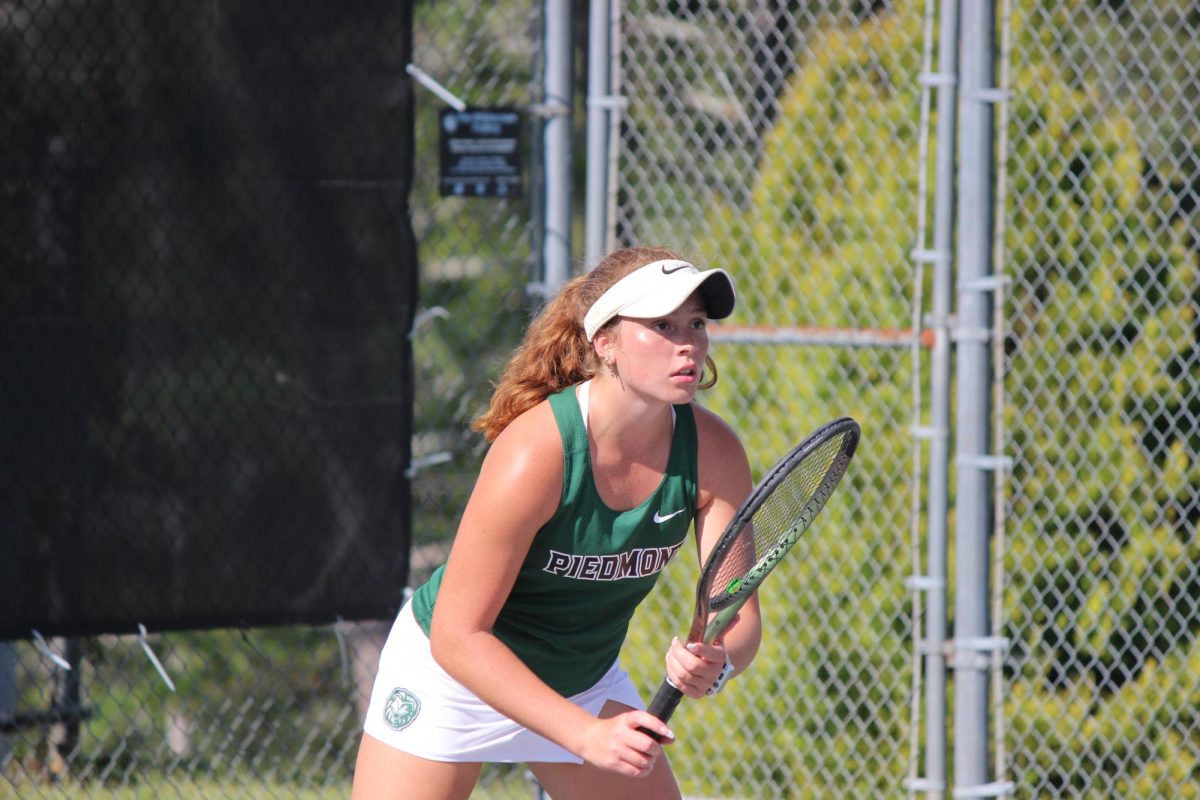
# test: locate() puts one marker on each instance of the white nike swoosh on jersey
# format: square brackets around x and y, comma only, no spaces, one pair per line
[663,518]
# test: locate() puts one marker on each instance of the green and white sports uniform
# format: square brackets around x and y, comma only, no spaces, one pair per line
[566,617]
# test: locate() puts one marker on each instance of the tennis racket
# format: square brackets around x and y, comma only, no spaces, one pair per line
[775,515]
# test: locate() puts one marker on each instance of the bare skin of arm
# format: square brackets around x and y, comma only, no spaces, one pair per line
[725,482]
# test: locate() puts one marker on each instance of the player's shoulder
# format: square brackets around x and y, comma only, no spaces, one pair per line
[724,469]
[522,472]
[713,431]
[530,438]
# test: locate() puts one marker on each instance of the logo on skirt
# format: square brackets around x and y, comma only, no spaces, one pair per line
[401,709]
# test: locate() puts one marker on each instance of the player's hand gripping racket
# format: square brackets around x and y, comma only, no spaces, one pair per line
[779,510]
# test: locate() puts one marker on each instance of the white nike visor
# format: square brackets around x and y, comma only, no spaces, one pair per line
[659,288]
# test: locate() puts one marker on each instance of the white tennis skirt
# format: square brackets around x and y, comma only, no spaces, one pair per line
[418,708]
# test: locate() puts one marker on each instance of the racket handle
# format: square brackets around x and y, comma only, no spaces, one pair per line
[663,706]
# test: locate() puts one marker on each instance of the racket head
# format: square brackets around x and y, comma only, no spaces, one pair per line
[776,514]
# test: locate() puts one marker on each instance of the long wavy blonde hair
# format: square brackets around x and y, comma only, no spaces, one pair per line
[555,352]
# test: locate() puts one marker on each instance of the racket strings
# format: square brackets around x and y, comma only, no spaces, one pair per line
[785,513]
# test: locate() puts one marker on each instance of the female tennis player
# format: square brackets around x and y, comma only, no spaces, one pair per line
[600,462]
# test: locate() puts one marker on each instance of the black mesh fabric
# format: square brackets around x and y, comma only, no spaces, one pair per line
[209,275]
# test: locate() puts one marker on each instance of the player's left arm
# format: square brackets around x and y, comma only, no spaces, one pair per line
[724,483]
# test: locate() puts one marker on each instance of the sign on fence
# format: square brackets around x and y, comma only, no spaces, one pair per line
[481,152]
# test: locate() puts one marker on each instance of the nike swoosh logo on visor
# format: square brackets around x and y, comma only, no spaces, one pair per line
[663,518]
[666,271]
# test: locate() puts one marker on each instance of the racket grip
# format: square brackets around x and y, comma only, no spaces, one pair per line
[663,706]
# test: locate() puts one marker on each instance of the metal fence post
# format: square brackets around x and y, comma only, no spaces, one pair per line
[939,402]
[8,695]
[972,332]
[556,155]
[599,107]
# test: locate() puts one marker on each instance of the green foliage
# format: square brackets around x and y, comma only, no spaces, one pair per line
[1103,552]
[246,787]
[837,160]
[826,231]
[1102,543]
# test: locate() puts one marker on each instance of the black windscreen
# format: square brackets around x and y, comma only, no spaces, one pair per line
[209,275]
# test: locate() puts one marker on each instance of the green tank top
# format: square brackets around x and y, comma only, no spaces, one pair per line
[589,566]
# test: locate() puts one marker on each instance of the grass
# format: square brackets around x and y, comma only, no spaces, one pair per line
[497,783]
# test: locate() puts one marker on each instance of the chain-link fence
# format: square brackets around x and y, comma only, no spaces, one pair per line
[792,144]
[788,142]
[782,141]
[1102,560]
